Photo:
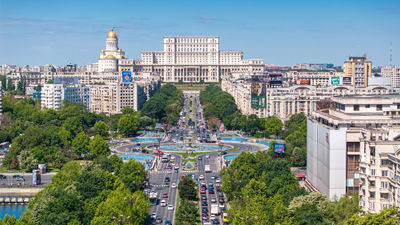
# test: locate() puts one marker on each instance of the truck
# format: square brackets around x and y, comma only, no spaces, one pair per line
[214,209]
[207,168]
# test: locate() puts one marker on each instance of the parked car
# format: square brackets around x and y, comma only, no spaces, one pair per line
[3,177]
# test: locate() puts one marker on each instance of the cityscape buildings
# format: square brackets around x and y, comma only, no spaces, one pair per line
[334,137]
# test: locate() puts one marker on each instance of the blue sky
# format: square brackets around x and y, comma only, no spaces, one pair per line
[280,32]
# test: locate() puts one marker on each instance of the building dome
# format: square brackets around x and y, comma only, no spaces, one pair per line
[111,34]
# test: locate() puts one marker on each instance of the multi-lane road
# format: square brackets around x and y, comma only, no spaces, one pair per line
[165,172]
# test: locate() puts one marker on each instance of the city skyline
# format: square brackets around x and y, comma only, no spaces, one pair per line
[287,33]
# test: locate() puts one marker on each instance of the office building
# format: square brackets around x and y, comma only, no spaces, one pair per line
[359,69]
[334,136]
[53,95]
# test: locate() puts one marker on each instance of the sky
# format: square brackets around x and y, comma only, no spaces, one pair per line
[280,32]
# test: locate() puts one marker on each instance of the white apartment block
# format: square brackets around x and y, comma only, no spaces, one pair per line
[335,138]
[283,102]
[53,95]
[393,73]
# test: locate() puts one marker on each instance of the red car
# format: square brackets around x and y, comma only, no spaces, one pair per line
[165,195]
[202,191]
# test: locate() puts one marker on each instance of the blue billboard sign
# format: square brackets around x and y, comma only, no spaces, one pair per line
[279,148]
[126,77]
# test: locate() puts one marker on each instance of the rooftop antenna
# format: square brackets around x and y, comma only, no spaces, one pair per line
[390,59]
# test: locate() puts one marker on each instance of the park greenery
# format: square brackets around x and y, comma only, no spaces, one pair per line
[107,191]
[187,213]
[220,107]
[72,132]
[165,105]
[262,190]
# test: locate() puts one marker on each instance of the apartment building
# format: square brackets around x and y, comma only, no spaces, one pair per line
[53,95]
[334,137]
[359,69]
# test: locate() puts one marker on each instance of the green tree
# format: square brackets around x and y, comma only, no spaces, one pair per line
[101,129]
[388,216]
[186,189]
[127,110]
[128,125]
[133,175]
[98,147]
[186,214]
[121,204]
[80,144]
[73,125]
[308,215]
[272,126]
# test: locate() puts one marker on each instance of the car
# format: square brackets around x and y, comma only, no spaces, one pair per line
[202,191]
[165,195]
[170,207]
[20,178]
[226,223]
[221,200]
[201,177]
[211,191]
[204,203]
[163,203]
[173,185]
[153,216]
[214,177]
[213,200]
[223,210]
[159,219]
[205,218]
[221,205]
[168,222]
[223,153]
[203,197]
[220,194]
[207,156]
[169,167]
[167,179]
[3,177]
[218,180]
[166,184]
[176,168]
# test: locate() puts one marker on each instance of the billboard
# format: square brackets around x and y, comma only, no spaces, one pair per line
[303,82]
[126,77]
[335,81]
[279,148]
[347,80]
[66,80]
[258,95]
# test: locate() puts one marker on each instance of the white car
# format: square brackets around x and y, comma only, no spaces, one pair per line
[173,185]
[218,180]
[221,205]
[163,203]
[207,156]
[201,177]
[153,216]
[170,208]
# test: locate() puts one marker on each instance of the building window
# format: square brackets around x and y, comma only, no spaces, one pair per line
[384,173]
[356,107]
[373,172]
[398,106]
[372,194]
[367,106]
[372,150]
[378,107]
[384,162]
[384,185]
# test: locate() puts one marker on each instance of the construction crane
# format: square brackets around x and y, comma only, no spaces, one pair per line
[117,29]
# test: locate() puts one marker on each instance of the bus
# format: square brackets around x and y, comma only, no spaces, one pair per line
[153,198]
[225,217]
